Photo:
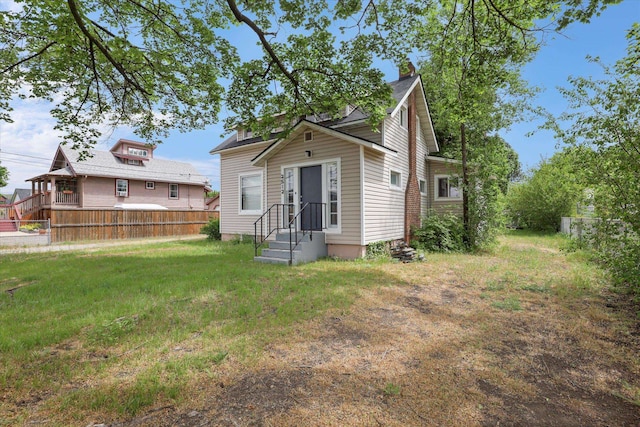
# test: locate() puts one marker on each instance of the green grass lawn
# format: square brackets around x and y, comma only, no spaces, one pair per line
[149,299]
[107,334]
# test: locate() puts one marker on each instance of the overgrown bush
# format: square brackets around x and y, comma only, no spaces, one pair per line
[212,229]
[378,250]
[618,248]
[440,233]
[550,192]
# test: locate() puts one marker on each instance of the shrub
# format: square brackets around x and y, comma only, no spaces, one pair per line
[440,233]
[550,192]
[378,250]
[212,229]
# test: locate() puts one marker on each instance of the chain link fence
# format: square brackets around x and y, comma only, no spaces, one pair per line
[24,233]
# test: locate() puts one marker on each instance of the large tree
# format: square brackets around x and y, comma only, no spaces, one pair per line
[472,78]
[157,65]
[604,119]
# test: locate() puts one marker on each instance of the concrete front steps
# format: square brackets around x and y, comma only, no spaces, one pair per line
[309,249]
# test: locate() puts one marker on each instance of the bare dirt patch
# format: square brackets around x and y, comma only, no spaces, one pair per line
[428,354]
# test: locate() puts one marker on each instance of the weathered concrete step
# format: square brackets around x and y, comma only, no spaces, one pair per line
[274,244]
[278,253]
[284,237]
[268,260]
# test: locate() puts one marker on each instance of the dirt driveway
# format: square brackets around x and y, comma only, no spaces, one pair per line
[457,344]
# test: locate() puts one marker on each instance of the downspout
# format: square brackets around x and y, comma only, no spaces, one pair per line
[430,188]
[362,200]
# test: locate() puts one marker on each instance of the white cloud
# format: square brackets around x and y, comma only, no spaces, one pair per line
[10,6]
[28,144]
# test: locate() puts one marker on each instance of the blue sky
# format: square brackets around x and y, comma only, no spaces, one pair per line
[27,145]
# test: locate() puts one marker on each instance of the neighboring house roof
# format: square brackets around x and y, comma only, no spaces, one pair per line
[106,164]
[401,89]
[20,194]
[213,203]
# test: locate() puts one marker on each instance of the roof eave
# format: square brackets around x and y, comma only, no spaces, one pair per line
[443,159]
[253,144]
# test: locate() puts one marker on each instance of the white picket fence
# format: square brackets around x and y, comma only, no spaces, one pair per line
[580,227]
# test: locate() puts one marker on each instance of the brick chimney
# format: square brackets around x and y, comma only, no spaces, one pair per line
[411,70]
[412,192]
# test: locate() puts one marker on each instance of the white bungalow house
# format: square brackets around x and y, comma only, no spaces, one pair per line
[338,180]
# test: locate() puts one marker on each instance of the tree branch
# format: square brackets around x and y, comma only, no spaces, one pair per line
[73,7]
[240,17]
[38,53]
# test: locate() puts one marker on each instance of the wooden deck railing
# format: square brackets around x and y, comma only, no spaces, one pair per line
[63,198]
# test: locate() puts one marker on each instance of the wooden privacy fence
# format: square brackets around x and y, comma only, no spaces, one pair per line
[101,224]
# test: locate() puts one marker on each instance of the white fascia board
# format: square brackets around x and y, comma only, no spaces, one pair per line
[442,159]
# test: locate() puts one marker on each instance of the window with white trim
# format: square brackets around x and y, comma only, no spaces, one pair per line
[289,193]
[150,185]
[447,187]
[404,122]
[138,152]
[122,187]
[332,196]
[251,193]
[423,186]
[395,180]
[173,191]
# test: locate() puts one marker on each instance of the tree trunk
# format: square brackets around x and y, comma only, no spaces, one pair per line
[465,188]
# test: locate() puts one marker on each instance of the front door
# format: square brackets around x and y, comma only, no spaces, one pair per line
[311,192]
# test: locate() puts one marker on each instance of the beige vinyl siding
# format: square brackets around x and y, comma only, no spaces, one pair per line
[384,214]
[324,148]
[442,206]
[384,206]
[232,165]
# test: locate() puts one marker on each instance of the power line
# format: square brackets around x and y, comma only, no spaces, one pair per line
[24,155]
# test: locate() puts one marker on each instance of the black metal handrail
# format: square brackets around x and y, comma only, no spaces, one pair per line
[309,208]
[280,210]
[297,230]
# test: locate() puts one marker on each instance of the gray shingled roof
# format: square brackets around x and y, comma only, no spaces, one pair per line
[105,164]
[20,194]
[399,87]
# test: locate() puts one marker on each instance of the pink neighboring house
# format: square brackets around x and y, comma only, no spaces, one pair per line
[125,177]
